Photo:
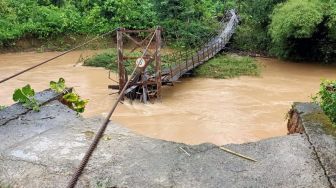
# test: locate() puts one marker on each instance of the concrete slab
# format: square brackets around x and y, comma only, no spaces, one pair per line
[320,134]
[42,149]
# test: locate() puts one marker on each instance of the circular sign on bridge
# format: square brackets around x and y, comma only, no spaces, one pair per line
[140,62]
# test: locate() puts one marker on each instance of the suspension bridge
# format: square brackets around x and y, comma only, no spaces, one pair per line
[143,83]
[146,84]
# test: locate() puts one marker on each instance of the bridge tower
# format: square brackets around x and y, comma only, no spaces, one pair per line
[146,84]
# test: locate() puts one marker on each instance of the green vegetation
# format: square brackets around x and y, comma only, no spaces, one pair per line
[290,29]
[223,66]
[71,99]
[75,102]
[185,21]
[228,66]
[59,86]
[321,118]
[326,98]
[108,60]
[252,34]
[304,30]
[2,107]
[25,96]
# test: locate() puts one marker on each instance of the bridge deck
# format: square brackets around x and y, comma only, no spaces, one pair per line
[173,73]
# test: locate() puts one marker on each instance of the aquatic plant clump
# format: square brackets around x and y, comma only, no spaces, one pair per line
[228,66]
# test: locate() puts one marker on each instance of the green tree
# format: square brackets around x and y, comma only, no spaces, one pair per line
[304,30]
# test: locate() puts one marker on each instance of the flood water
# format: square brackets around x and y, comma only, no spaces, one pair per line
[195,110]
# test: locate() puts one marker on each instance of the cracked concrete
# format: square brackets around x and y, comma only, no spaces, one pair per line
[317,128]
[42,149]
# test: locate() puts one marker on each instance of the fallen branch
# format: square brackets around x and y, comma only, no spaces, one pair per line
[185,151]
[237,154]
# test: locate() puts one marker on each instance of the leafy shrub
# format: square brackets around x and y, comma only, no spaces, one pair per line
[326,98]
[294,20]
[25,96]
[107,60]
[70,98]
[304,30]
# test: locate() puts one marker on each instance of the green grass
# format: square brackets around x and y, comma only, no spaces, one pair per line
[228,66]
[107,60]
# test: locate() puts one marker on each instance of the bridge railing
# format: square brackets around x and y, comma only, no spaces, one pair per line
[182,62]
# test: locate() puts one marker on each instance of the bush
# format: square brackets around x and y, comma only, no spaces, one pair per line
[107,60]
[304,30]
[326,98]
[185,21]
[294,20]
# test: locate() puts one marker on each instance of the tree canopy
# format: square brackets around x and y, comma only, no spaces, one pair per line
[304,29]
[181,19]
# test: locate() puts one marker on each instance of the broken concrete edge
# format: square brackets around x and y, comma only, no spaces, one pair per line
[14,111]
[321,146]
[309,119]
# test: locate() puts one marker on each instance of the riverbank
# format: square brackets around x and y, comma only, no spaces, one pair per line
[59,43]
[126,159]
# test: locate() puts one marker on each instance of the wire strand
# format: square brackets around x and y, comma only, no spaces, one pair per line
[62,54]
[72,183]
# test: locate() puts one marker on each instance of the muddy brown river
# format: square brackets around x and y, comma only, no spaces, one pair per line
[195,110]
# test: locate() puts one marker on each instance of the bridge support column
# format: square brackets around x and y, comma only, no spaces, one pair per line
[121,66]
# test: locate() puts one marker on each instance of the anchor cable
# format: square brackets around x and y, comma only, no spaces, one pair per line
[72,183]
[62,54]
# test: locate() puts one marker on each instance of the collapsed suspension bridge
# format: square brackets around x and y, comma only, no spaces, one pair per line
[145,83]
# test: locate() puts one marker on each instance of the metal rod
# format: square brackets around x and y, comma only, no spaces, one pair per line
[72,183]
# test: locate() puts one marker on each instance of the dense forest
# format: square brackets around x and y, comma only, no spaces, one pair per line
[292,29]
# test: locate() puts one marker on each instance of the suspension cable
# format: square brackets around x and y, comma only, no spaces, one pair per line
[62,54]
[72,183]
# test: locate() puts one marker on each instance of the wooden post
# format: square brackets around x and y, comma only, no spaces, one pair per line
[121,66]
[158,62]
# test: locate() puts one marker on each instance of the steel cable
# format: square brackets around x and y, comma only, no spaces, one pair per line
[62,54]
[72,183]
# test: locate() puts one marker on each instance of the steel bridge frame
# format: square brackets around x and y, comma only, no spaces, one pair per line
[151,55]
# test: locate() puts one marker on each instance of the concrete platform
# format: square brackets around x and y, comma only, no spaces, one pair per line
[42,149]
